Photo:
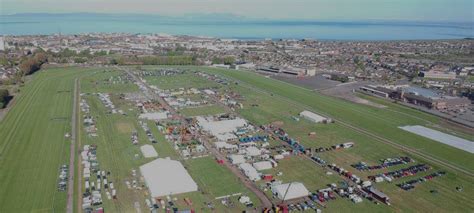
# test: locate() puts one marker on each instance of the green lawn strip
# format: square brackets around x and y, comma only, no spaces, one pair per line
[33,145]
[202,110]
[187,80]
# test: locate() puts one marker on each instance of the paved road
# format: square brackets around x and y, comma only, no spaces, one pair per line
[70,190]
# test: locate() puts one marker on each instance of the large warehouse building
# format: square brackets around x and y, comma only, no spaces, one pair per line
[313,117]
[167,177]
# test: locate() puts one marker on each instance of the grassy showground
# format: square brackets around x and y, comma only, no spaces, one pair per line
[268,100]
[433,122]
[265,107]
[32,144]
[117,154]
[215,180]
[107,81]
[381,122]
[202,110]
[187,80]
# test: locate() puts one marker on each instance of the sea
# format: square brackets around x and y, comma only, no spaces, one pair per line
[232,27]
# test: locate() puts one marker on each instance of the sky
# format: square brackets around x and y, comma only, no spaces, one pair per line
[419,10]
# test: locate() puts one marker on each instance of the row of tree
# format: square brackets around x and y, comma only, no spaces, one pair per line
[227,60]
[32,63]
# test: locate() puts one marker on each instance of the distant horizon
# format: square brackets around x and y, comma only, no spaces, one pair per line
[231,26]
[232,15]
[229,16]
[416,10]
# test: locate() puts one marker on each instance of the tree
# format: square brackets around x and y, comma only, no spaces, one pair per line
[41,57]
[4,96]
[100,53]
[85,53]
[80,60]
[229,60]
[32,63]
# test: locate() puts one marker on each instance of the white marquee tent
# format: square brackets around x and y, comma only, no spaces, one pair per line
[154,116]
[292,190]
[167,177]
[262,165]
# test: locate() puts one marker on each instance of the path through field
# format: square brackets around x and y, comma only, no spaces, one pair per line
[70,190]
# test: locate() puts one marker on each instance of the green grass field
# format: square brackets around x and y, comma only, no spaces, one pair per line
[186,81]
[381,122]
[270,109]
[117,155]
[202,110]
[265,103]
[33,146]
[431,120]
[98,82]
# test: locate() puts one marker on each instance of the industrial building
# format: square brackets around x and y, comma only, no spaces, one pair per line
[297,71]
[166,177]
[439,75]
[418,96]
[451,103]
[313,117]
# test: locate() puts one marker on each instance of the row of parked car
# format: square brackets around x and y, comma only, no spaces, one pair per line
[303,206]
[412,170]
[388,162]
[63,176]
[409,185]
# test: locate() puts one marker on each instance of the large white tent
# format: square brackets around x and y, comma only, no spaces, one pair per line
[237,159]
[290,191]
[154,116]
[221,129]
[249,171]
[148,151]
[224,145]
[167,177]
[262,165]
[252,151]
